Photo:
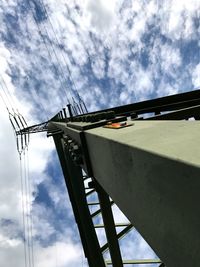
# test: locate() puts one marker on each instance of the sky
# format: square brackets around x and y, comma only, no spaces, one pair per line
[110,52]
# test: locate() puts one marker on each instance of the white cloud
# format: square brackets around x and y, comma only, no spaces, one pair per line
[4,57]
[177,18]
[60,254]
[123,97]
[165,90]
[196,76]
[170,59]
[102,14]
[98,67]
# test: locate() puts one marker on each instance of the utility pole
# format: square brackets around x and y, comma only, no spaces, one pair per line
[145,158]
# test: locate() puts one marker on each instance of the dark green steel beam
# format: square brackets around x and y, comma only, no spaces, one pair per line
[93,203]
[97,212]
[109,226]
[181,114]
[90,192]
[120,235]
[162,104]
[132,262]
[116,225]
[75,185]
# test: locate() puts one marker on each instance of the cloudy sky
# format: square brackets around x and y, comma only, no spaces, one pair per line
[112,53]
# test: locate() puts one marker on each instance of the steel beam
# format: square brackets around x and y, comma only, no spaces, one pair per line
[93,203]
[120,235]
[75,185]
[116,225]
[90,192]
[142,262]
[152,172]
[109,225]
[181,114]
[162,104]
[97,212]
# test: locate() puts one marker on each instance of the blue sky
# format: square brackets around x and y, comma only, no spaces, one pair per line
[112,53]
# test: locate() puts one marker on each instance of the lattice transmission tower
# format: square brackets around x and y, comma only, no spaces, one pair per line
[143,157]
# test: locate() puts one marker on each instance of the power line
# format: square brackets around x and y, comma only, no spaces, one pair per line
[23,212]
[26,195]
[40,103]
[81,107]
[4,102]
[8,99]
[56,38]
[30,207]
[81,103]
[47,48]
[26,209]
[43,39]
[18,122]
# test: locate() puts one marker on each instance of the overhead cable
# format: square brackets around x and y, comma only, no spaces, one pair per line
[18,123]
[56,38]
[47,47]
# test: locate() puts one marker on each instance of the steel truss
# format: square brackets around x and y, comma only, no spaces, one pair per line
[79,193]
[70,140]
